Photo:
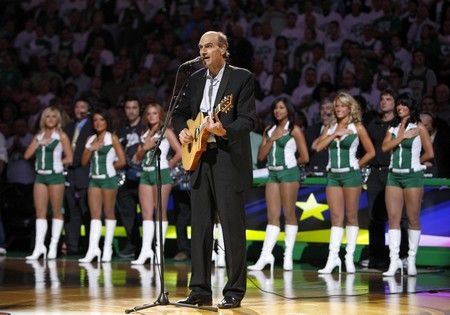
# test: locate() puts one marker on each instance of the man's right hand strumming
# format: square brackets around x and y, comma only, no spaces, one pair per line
[185,136]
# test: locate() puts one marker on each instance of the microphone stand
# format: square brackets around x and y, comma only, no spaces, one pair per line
[163,298]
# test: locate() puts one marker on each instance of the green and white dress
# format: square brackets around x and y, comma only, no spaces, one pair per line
[148,176]
[405,158]
[342,152]
[102,160]
[49,156]
[282,154]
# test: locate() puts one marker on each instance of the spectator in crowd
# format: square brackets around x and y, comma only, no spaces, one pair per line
[439,166]
[404,185]
[281,143]
[116,85]
[52,151]
[3,162]
[241,50]
[78,77]
[127,196]
[75,194]
[105,155]
[443,71]
[20,172]
[342,138]
[421,79]
[442,97]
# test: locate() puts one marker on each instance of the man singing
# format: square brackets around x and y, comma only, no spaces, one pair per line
[224,171]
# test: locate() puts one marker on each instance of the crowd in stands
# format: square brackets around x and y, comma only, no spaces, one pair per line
[53,52]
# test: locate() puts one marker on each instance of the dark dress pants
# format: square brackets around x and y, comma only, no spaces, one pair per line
[77,213]
[214,191]
[127,201]
[183,212]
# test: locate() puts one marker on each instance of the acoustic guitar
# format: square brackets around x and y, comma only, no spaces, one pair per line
[191,152]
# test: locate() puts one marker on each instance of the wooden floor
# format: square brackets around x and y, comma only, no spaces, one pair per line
[63,286]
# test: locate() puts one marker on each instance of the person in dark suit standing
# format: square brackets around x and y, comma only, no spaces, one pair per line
[318,160]
[224,171]
[77,180]
[440,165]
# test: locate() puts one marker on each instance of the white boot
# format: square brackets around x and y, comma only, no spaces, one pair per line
[220,247]
[148,229]
[57,225]
[351,233]
[95,233]
[39,242]
[157,247]
[109,236]
[413,240]
[290,234]
[334,247]
[394,249]
[266,256]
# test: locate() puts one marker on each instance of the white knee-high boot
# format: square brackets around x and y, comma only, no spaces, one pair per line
[57,225]
[95,233]
[394,249]
[413,240]
[157,247]
[266,256]
[334,247]
[220,247]
[39,242]
[148,229]
[290,234]
[352,235]
[109,236]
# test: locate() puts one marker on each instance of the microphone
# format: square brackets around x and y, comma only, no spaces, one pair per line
[191,62]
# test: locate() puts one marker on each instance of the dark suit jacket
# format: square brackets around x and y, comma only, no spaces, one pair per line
[238,122]
[77,174]
[317,160]
[441,150]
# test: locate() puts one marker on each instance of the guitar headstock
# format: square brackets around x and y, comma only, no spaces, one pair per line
[225,104]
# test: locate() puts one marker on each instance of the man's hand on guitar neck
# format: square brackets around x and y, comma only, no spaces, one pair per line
[214,126]
[185,136]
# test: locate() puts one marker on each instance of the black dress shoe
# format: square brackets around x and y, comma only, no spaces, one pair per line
[229,302]
[199,300]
